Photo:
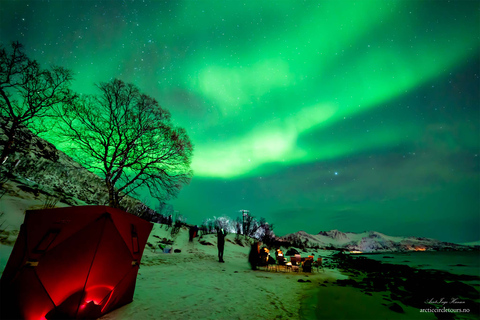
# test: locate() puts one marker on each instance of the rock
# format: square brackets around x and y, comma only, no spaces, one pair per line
[379,284]
[395,307]
[301,280]
[425,286]
[472,305]
[347,282]
[445,315]
[394,296]
[413,301]
[458,288]
[177,250]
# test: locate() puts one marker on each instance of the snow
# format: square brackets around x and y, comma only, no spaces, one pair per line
[192,284]
[16,201]
[472,244]
[371,241]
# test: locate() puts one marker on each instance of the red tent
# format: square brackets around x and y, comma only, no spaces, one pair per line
[77,262]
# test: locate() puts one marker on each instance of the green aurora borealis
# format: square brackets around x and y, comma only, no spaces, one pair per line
[317,115]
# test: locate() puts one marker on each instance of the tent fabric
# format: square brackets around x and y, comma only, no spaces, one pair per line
[73,263]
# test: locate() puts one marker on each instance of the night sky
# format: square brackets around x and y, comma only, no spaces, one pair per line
[317,115]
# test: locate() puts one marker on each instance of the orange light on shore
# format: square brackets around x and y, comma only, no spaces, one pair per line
[417,248]
[355,251]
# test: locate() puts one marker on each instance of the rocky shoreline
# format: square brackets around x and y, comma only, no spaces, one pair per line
[422,289]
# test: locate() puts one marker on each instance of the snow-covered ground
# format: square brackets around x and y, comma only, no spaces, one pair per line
[192,284]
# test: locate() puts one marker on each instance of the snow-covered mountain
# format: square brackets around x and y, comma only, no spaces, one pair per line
[368,241]
[39,175]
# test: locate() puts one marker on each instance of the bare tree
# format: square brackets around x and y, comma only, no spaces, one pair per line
[129,139]
[265,231]
[251,225]
[27,93]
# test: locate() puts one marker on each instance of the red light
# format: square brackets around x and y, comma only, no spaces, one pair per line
[110,297]
[97,294]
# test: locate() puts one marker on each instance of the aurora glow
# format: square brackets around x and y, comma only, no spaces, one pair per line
[353,115]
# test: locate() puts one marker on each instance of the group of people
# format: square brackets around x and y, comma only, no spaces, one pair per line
[260,256]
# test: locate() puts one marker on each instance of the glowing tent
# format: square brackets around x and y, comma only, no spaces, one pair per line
[77,262]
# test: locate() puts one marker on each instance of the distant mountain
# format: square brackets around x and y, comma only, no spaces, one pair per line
[472,244]
[369,241]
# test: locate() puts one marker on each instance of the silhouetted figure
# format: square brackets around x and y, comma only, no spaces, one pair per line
[307,265]
[195,231]
[169,222]
[221,243]
[191,234]
[254,256]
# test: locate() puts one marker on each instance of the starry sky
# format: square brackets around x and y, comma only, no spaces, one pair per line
[317,115]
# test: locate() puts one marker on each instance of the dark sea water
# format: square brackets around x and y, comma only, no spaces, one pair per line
[456,262]
[315,305]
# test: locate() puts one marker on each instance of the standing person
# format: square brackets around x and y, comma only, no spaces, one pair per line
[191,234]
[254,256]
[195,231]
[221,243]
[169,222]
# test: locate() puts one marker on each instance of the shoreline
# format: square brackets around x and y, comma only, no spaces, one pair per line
[376,290]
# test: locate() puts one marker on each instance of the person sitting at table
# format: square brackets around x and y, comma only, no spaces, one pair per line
[271,260]
[264,256]
[307,265]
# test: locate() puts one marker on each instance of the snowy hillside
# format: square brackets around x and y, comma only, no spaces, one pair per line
[369,241]
[39,168]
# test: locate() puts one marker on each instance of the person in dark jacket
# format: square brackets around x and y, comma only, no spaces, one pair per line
[221,243]
[307,265]
[254,256]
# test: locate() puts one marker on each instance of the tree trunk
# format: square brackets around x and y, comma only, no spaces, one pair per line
[111,194]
